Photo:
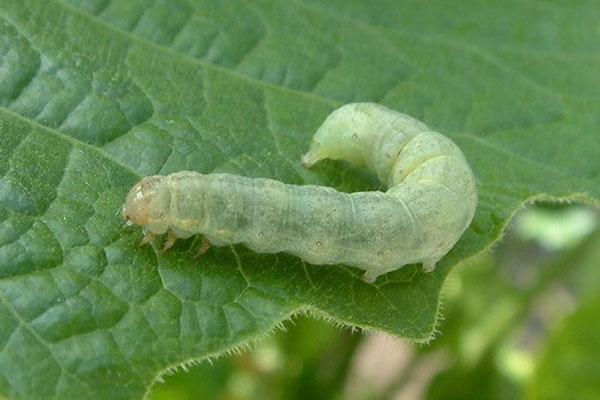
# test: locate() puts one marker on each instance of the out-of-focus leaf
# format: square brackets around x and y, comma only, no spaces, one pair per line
[570,367]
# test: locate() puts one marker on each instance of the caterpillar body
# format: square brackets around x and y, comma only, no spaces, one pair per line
[430,200]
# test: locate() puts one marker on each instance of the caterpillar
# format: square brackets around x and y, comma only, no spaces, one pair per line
[430,200]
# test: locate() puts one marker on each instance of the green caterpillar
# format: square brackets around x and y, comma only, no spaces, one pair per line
[430,201]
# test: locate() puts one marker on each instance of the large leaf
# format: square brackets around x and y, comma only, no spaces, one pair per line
[95,94]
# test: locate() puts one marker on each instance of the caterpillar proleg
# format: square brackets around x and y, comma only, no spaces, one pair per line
[430,200]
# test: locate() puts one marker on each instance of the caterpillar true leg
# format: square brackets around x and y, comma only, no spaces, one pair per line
[204,246]
[171,239]
[148,237]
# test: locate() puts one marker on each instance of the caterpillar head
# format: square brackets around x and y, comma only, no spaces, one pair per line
[147,202]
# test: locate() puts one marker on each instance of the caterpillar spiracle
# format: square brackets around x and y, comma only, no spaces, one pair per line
[430,200]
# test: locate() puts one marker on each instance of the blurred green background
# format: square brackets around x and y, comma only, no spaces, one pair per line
[522,321]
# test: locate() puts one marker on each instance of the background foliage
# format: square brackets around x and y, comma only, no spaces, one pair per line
[95,94]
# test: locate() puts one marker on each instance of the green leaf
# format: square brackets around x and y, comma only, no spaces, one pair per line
[569,368]
[95,94]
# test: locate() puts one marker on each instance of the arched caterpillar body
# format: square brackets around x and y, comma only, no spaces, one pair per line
[430,201]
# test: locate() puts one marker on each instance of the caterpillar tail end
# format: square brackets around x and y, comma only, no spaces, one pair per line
[310,159]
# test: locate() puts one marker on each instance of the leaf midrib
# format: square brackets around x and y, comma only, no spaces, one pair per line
[494,147]
[71,140]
